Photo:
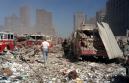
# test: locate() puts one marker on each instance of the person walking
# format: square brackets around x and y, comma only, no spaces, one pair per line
[45,47]
[65,46]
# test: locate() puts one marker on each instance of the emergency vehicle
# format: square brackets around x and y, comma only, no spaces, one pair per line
[6,41]
[37,39]
[87,42]
[96,41]
[34,39]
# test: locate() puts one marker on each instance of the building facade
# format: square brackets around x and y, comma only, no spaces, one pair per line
[1,27]
[100,15]
[44,22]
[25,19]
[79,19]
[12,24]
[117,15]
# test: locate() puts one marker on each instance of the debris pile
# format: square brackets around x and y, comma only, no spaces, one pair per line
[57,70]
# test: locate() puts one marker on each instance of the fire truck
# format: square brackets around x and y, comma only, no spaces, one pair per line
[6,41]
[87,42]
[34,39]
[97,41]
[37,39]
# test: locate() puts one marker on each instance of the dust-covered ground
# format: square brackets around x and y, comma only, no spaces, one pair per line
[57,70]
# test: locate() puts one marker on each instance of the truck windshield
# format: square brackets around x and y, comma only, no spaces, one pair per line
[5,36]
[12,36]
[36,37]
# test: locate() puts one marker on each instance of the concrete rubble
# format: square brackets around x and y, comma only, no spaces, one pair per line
[57,70]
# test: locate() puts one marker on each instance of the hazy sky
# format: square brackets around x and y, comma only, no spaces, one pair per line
[62,10]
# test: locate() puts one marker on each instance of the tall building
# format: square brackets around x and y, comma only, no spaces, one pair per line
[100,15]
[25,19]
[12,23]
[117,16]
[1,27]
[44,22]
[79,19]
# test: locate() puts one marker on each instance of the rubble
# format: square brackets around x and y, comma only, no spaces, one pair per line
[6,72]
[57,70]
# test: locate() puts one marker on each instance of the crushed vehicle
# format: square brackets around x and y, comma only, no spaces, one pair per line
[95,41]
[37,39]
[32,39]
[87,42]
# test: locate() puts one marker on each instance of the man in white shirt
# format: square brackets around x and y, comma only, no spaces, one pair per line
[45,48]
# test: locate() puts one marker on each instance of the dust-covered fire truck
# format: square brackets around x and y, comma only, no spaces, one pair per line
[95,41]
[37,39]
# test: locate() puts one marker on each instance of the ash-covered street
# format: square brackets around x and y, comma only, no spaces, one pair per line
[57,70]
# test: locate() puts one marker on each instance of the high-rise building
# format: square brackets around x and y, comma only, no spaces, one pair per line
[12,23]
[100,15]
[1,27]
[25,19]
[44,22]
[79,19]
[117,16]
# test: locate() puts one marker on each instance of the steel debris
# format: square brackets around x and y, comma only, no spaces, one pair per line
[57,70]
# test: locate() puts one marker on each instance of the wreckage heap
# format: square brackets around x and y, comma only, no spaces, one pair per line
[31,69]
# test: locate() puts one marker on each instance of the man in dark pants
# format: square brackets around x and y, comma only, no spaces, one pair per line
[65,48]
